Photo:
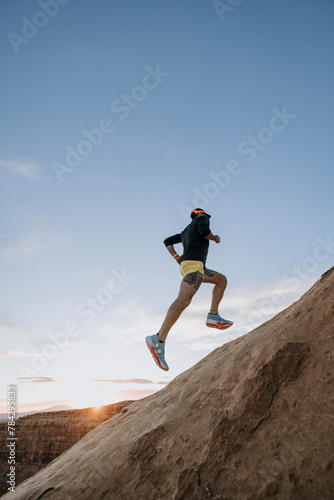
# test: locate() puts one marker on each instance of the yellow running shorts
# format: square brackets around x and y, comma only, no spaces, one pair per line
[191,266]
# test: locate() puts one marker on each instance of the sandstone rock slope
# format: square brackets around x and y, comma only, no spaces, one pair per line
[252,420]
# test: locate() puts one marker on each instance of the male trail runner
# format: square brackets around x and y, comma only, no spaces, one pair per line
[195,239]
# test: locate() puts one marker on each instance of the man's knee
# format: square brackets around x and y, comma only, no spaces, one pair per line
[222,280]
[184,301]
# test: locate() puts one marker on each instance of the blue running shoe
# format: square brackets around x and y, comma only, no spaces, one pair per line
[216,321]
[157,349]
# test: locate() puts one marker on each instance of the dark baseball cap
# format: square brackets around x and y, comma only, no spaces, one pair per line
[197,211]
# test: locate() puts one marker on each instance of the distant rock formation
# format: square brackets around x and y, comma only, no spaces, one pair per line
[252,420]
[4,416]
[44,436]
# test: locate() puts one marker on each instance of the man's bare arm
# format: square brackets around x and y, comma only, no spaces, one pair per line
[213,237]
[173,253]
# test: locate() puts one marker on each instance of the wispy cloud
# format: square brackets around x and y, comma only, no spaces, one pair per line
[122,381]
[14,354]
[31,245]
[35,380]
[14,334]
[25,167]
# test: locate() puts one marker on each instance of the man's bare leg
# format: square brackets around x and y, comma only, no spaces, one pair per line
[220,282]
[189,286]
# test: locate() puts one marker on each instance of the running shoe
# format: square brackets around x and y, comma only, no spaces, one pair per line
[157,349]
[216,321]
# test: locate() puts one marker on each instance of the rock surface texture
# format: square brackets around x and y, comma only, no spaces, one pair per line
[252,420]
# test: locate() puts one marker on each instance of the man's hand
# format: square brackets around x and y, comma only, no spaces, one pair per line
[178,259]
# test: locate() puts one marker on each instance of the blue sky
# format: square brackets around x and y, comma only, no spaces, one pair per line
[163,106]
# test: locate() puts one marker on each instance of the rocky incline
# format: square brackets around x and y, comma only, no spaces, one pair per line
[42,437]
[252,420]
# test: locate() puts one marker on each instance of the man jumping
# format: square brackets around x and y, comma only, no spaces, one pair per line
[195,240]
